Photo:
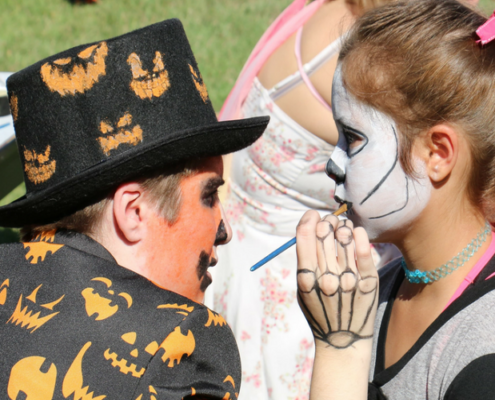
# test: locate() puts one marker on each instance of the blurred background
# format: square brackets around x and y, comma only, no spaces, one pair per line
[222,33]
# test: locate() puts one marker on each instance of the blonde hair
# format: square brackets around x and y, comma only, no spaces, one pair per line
[162,189]
[418,62]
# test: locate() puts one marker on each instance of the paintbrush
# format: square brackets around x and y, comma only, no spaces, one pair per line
[343,208]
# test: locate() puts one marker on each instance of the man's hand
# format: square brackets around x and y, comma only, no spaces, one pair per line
[337,280]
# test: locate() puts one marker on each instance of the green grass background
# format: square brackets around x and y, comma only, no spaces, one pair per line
[222,34]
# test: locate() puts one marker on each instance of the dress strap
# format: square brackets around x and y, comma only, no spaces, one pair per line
[306,70]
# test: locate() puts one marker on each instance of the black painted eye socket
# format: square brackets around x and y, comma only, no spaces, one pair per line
[356,141]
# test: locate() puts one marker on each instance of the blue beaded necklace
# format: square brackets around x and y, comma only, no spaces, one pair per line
[456,262]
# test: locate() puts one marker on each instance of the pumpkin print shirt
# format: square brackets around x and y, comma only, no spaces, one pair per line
[75,325]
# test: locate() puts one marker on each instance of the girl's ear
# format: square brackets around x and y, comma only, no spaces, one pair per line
[441,150]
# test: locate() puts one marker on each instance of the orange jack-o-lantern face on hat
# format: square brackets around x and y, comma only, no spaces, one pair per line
[147,84]
[198,82]
[14,106]
[27,316]
[122,133]
[101,305]
[38,166]
[69,76]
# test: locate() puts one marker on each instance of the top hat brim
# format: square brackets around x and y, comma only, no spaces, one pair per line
[52,204]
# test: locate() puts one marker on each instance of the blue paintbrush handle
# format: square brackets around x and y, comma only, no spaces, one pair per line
[274,254]
[345,207]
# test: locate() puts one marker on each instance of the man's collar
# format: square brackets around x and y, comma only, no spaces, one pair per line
[83,243]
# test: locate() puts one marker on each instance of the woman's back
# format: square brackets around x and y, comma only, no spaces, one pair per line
[331,20]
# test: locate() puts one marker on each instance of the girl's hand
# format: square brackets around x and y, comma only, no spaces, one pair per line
[337,281]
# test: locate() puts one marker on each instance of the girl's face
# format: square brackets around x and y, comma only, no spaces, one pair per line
[365,165]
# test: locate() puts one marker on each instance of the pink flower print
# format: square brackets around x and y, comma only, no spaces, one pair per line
[289,152]
[245,336]
[285,273]
[269,106]
[275,301]
[298,382]
[317,168]
[219,300]
[240,235]
[311,152]
[234,210]
[254,378]
[277,159]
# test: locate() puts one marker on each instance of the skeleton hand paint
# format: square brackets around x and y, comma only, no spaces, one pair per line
[337,296]
[365,166]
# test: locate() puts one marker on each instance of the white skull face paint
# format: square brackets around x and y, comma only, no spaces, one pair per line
[365,165]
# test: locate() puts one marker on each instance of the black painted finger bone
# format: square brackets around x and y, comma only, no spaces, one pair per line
[323,229]
[306,281]
[328,283]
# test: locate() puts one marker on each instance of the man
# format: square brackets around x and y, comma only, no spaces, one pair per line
[121,151]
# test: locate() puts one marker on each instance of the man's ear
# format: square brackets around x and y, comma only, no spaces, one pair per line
[441,148]
[130,211]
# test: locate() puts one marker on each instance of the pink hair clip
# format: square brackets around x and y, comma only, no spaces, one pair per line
[486,32]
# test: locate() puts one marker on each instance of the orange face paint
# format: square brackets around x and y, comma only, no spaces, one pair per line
[179,255]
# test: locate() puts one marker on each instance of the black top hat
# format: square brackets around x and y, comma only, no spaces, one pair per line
[97,115]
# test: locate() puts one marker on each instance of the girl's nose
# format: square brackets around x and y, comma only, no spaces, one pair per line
[334,172]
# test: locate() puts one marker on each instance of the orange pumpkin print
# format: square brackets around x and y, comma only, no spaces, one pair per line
[25,316]
[152,392]
[200,85]
[3,291]
[119,135]
[40,247]
[228,395]
[68,76]
[38,167]
[177,345]
[74,381]
[14,106]
[215,319]
[100,305]
[127,366]
[26,376]
[145,84]
[181,309]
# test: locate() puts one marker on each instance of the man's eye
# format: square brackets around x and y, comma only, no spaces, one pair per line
[211,199]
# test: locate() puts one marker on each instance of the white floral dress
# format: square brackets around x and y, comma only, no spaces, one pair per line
[273,183]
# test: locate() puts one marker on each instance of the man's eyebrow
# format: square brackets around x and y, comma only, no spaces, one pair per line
[213,184]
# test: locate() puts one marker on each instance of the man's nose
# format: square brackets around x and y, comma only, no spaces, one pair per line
[226,228]
[334,172]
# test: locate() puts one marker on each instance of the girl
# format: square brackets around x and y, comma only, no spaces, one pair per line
[414,102]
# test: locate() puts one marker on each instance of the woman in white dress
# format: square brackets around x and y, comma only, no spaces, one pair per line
[272,184]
